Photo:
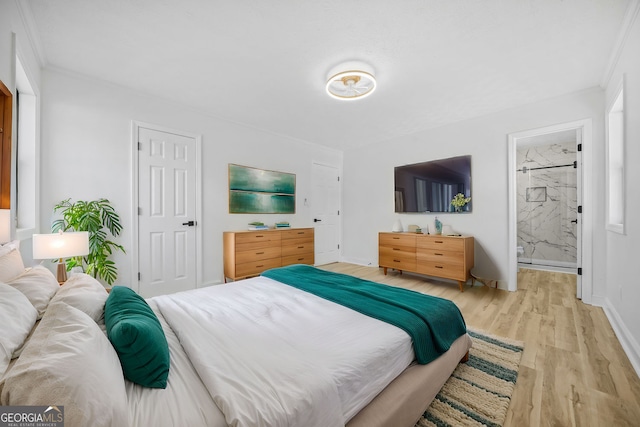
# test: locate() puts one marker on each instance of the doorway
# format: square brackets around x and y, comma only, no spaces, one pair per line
[549,202]
[166,188]
[325,212]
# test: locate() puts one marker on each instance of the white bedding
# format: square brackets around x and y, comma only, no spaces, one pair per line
[289,358]
[185,401]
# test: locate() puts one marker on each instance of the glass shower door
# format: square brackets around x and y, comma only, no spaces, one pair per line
[547,205]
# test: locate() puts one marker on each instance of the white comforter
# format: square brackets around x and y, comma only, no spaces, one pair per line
[272,355]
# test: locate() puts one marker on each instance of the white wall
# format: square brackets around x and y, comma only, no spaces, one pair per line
[622,290]
[87,154]
[11,23]
[368,180]
[14,40]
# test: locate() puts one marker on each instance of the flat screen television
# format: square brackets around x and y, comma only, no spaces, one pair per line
[430,186]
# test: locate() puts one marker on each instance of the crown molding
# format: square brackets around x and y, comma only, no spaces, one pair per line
[32,33]
[623,34]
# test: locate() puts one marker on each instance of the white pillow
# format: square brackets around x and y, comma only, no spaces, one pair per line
[84,293]
[11,265]
[17,317]
[4,249]
[69,361]
[39,285]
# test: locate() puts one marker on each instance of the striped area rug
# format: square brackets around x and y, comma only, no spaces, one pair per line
[479,391]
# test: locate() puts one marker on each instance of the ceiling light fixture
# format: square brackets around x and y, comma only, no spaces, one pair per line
[353,80]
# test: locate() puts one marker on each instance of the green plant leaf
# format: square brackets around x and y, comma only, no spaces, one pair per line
[100,219]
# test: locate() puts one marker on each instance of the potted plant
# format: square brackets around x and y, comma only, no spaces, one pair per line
[100,219]
[459,202]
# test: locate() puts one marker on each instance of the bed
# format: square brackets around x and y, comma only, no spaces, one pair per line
[258,352]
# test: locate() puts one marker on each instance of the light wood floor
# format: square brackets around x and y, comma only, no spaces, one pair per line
[573,370]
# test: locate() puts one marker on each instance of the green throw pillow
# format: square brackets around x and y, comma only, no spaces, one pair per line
[136,334]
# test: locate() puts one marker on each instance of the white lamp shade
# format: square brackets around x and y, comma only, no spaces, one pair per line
[60,245]
[5,225]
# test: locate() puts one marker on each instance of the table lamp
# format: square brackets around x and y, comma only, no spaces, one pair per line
[5,225]
[60,245]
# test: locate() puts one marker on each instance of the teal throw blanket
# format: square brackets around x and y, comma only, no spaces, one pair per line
[433,323]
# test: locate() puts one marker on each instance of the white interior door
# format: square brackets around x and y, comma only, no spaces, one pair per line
[167,250]
[325,212]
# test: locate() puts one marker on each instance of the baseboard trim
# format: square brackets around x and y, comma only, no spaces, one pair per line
[628,342]
[359,261]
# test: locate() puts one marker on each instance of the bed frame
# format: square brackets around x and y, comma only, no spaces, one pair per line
[405,399]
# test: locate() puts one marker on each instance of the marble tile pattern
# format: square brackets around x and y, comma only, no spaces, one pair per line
[545,230]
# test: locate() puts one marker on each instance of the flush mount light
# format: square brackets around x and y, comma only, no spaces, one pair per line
[351,81]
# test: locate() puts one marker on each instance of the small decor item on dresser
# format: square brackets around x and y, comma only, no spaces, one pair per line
[431,226]
[282,224]
[412,228]
[459,202]
[438,226]
[448,231]
[397,226]
[256,225]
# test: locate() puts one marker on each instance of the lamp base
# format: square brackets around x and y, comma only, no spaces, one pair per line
[62,272]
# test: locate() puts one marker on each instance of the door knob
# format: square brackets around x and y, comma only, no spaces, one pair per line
[575,221]
[317,220]
[190,223]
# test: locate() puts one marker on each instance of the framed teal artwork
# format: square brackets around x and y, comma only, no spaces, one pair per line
[253,190]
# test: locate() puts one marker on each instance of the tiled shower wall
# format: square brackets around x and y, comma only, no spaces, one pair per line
[547,202]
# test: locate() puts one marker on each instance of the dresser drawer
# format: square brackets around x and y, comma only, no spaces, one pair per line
[298,259]
[441,243]
[403,252]
[397,239]
[298,241]
[256,267]
[297,233]
[297,248]
[399,263]
[440,256]
[256,245]
[258,254]
[253,237]
[444,270]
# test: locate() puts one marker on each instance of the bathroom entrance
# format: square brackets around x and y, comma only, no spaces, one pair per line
[547,200]
[550,202]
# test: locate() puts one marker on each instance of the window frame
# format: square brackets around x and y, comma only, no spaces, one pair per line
[616,160]
[25,85]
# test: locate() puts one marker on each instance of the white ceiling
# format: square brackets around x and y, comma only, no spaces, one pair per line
[264,63]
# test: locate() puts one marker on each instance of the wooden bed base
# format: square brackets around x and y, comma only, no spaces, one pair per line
[404,400]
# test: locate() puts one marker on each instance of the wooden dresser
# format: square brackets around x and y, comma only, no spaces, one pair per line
[448,257]
[249,253]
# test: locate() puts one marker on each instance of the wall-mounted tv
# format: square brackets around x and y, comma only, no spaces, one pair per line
[430,186]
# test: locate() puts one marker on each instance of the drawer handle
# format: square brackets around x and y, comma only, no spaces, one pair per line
[395,238]
[300,259]
[259,236]
[439,266]
[300,232]
[396,260]
[261,265]
[396,249]
[439,241]
[300,247]
[259,253]
[435,253]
